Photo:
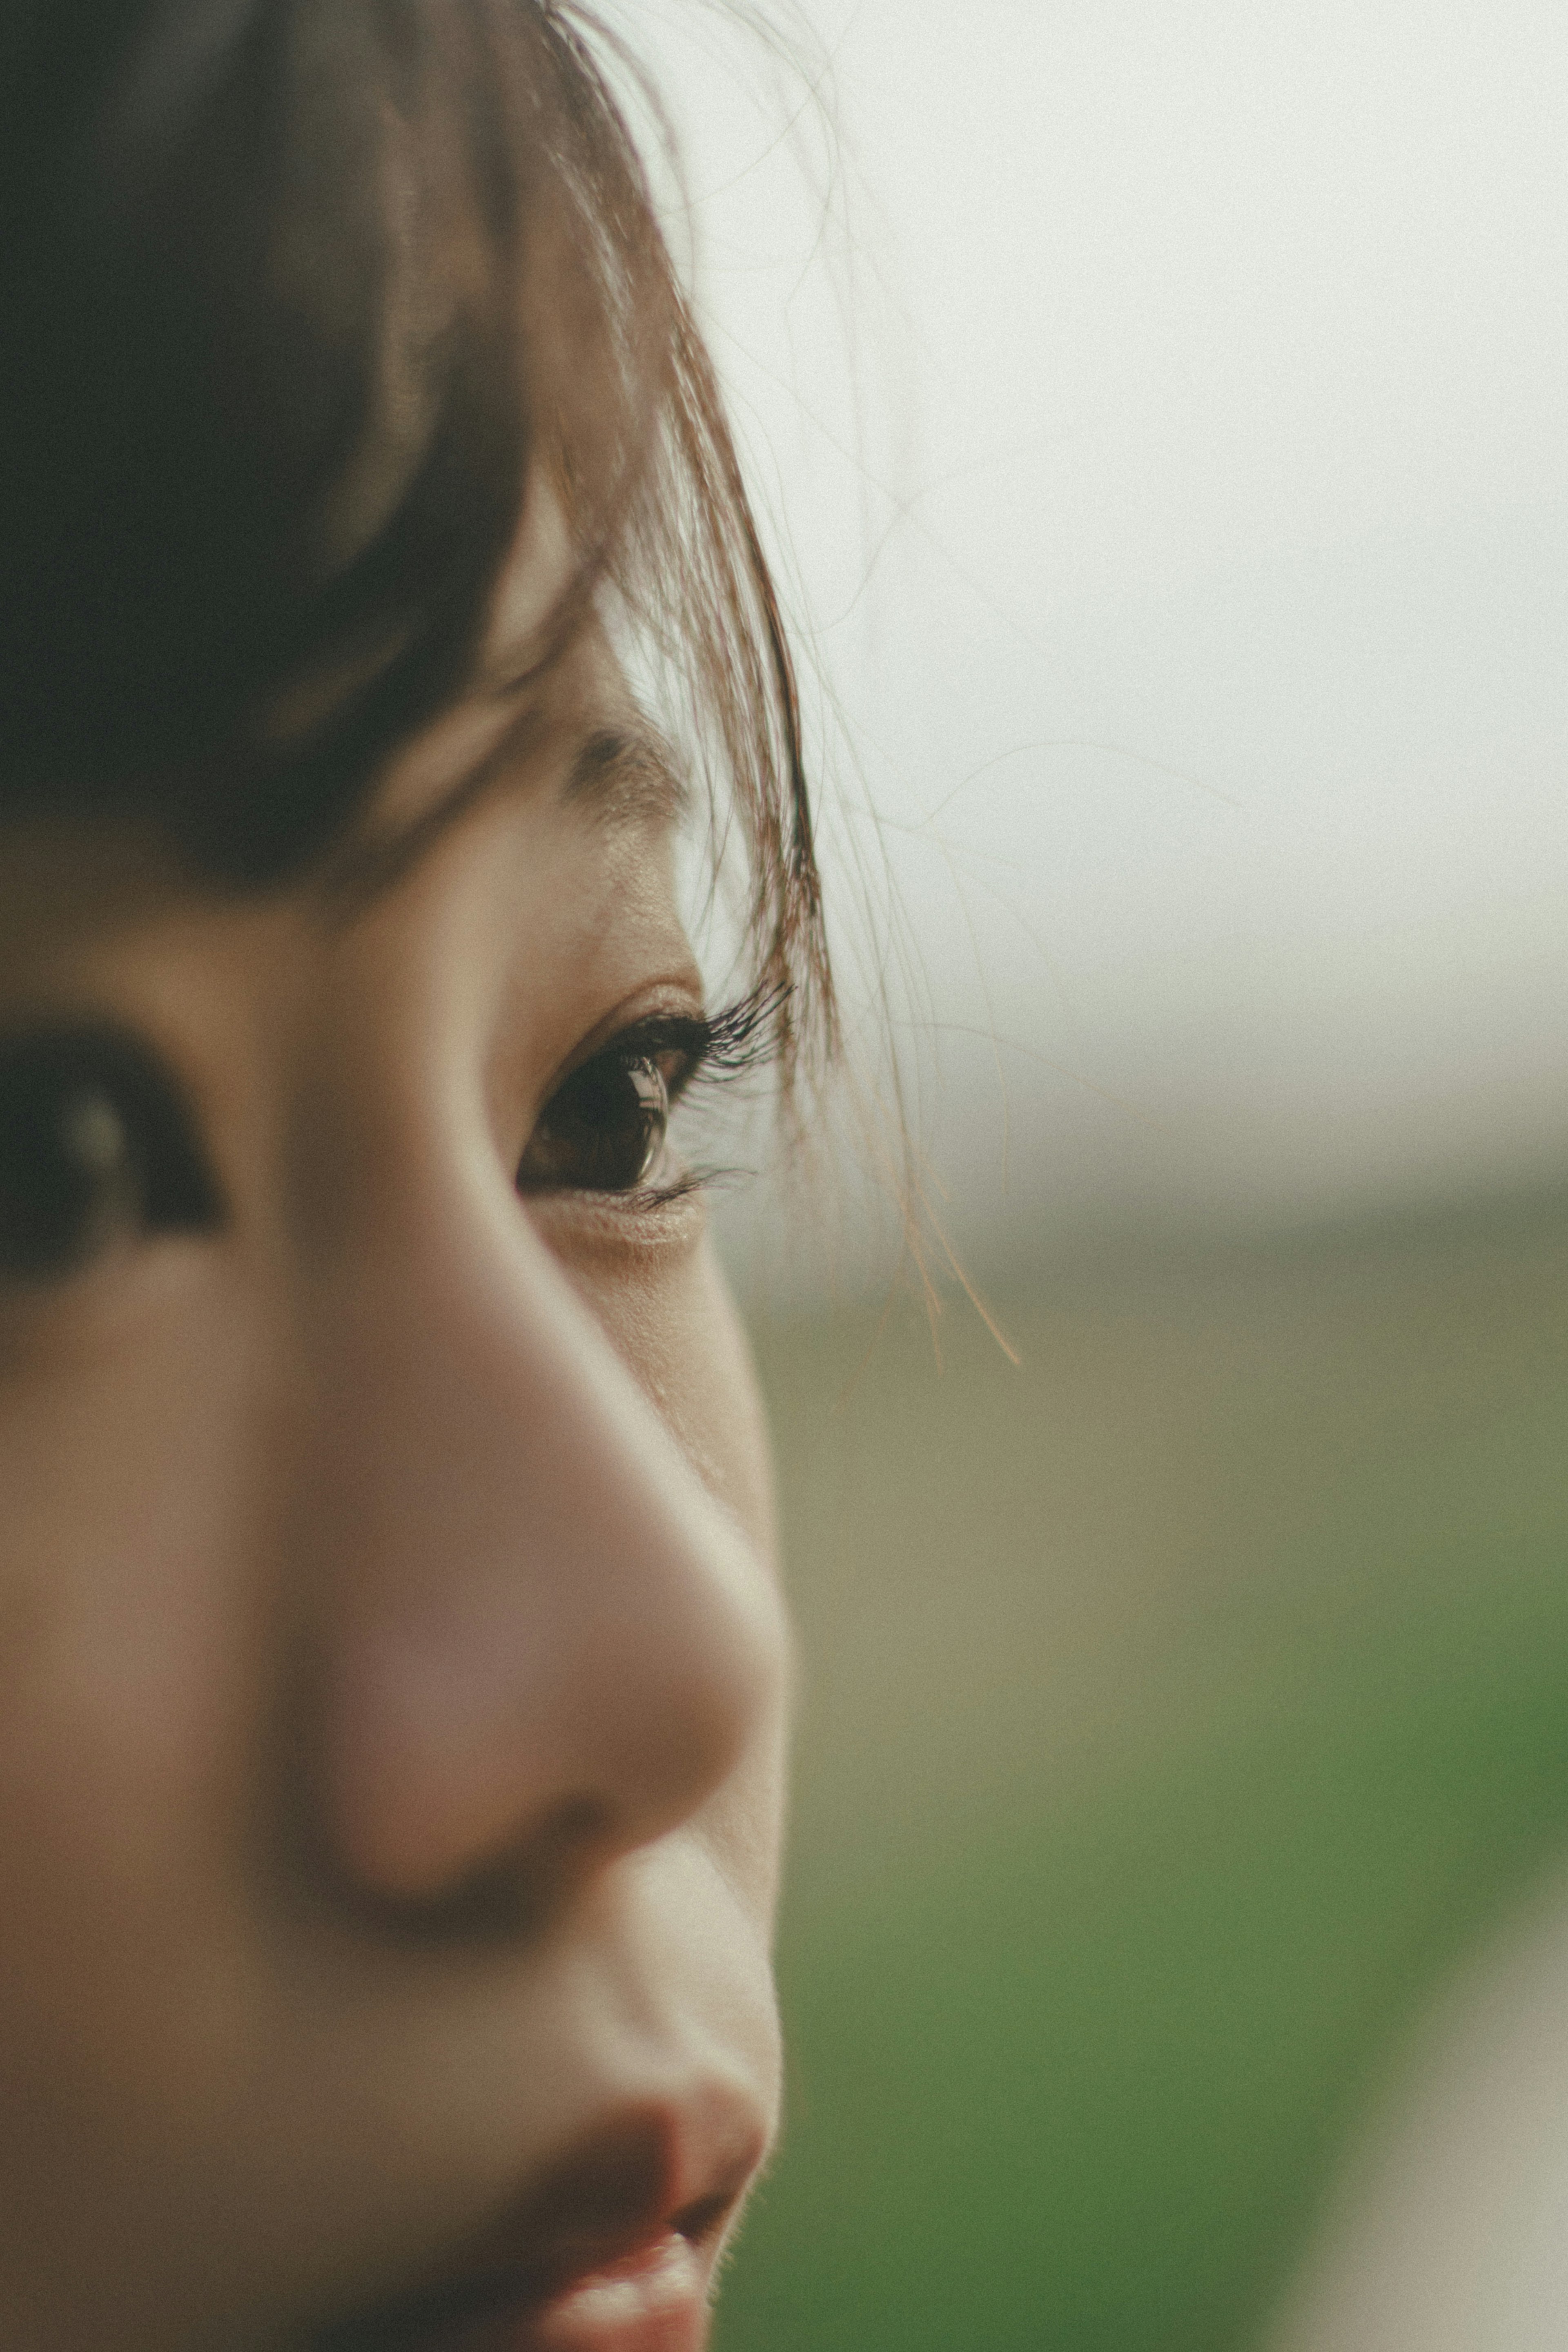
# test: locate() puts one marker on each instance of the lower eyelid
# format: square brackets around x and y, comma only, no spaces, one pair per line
[628,1225]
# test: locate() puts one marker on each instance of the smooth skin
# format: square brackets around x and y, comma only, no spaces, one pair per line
[393,1671]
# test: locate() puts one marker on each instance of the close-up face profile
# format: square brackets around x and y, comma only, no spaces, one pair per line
[394,1672]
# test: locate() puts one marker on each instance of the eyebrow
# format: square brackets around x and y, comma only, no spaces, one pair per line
[628,773]
[622,773]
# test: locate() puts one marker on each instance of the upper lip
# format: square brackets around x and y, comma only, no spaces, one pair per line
[645,2174]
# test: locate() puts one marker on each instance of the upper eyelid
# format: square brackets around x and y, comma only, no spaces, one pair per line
[652,1038]
[730,1042]
[611,1034]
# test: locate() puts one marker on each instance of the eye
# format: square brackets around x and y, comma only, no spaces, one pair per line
[602,1130]
[95,1148]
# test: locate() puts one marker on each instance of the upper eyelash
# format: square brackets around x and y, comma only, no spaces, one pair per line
[730,1043]
[720,1045]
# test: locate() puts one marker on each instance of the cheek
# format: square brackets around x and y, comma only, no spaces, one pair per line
[131,1689]
[128,1626]
[673,1322]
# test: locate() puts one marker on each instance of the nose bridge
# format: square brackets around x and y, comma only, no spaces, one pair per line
[539,1637]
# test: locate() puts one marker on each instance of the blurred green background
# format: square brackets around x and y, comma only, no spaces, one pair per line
[1179,1705]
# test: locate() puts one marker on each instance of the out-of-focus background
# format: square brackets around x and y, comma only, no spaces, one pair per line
[1161,413]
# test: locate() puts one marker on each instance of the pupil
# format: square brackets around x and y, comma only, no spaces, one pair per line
[93,1134]
[603,1131]
[67,1174]
[95,1142]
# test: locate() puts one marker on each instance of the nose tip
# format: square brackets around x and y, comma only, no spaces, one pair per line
[489,1755]
[544,1644]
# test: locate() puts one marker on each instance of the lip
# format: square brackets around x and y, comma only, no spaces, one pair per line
[612,2252]
[651,2301]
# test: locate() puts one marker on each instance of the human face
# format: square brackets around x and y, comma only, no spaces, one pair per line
[392,1675]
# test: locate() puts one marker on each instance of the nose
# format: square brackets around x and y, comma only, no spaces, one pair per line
[537,1642]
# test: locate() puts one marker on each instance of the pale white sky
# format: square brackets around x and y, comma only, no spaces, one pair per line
[1164,409]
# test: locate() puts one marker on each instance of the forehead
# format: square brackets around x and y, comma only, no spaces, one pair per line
[539,715]
[570,748]
[547,717]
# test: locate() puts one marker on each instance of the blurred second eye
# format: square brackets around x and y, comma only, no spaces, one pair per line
[603,1130]
[96,1147]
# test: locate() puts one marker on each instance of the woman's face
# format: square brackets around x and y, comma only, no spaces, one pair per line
[392,1675]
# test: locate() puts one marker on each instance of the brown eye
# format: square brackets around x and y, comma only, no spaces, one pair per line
[602,1132]
[95,1147]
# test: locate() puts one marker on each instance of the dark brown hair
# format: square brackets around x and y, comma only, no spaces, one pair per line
[301,299]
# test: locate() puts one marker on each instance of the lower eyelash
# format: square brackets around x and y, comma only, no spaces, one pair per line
[665,1196]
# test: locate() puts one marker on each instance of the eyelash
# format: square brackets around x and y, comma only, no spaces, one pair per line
[688,1050]
[97,1141]
[710,1047]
